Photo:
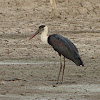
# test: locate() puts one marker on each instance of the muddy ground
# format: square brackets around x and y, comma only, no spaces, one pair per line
[29,69]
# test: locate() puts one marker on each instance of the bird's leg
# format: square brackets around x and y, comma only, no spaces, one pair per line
[60,68]
[63,69]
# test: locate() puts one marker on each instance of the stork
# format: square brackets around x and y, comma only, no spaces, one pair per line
[62,45]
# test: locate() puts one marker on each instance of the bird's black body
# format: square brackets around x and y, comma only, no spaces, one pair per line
[65,47]
[62,45]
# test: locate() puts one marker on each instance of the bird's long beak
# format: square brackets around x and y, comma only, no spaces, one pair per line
[35,34]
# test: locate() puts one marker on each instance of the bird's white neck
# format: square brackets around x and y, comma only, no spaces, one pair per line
[44,37]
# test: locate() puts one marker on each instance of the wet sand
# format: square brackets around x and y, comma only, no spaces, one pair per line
[29,68]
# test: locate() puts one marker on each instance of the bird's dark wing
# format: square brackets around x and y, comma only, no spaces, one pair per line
[59,42]
[67,42]
[64,47]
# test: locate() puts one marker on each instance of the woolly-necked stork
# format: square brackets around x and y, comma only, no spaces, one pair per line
[62,45]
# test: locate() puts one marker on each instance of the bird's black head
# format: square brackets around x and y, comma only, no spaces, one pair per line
[40,30]
[42,26]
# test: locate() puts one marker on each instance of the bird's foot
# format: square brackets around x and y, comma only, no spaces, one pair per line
[59,82]
[56,82]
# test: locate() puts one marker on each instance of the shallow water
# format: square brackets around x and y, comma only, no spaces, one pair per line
[79,89]
[72,88]
[24,62]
